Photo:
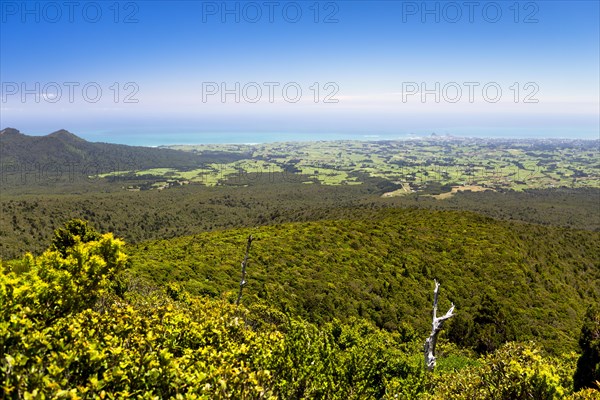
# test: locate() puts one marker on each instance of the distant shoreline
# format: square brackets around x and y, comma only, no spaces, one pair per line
[201,139]
[263,138]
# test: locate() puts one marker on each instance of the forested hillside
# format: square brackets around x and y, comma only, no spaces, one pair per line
[66,152]
[80,322]
[524,281]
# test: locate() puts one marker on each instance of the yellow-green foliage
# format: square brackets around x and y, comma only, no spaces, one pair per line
[65,333]
[80,325]
[586,394]
[516,371]
[54,285]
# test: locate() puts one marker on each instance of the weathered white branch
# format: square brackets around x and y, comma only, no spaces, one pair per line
[244,264]
[436,327]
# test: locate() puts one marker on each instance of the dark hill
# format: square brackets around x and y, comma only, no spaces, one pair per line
[66,136]
[64,149]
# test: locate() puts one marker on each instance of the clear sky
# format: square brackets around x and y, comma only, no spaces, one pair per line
[194,71]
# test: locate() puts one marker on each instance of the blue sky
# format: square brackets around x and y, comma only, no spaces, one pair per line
[504,68]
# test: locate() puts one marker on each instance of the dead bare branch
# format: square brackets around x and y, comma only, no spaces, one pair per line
[436,327]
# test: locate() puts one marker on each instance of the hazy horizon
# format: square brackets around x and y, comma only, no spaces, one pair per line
[118,73]
[249,138]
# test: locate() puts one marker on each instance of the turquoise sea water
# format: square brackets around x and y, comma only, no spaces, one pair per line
[238,138]
[172,138]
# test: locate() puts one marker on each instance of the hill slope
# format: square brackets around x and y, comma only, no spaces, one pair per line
[538,279]
[76,323]
[63,149]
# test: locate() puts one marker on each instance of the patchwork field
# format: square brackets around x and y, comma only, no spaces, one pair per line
[413,165]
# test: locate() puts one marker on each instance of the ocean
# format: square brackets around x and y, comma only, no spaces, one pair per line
[174,138]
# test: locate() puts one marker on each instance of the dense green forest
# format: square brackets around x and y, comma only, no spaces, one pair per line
[29,214]
[62,156]
[537,280]
[80,321]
